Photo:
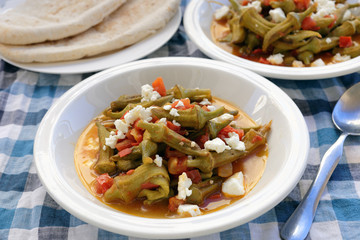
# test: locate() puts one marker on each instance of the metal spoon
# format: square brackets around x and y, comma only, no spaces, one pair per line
[346,117]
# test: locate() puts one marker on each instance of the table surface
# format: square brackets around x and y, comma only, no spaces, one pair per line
[28,212]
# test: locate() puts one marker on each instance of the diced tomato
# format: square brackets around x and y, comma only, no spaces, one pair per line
[173,126]
[125,152]
[205,108]
[215,196]
[202,139]
[173,153]
[302,4]
[345,41]
[103,183]
[177,165]
[159,86]
[174,203]
[194,175]
[257,138]
[126,143]
[309,24]
[263,60]
[257,51]
[245,2]
[137,134]
[224,133]
[149,185]
[131,171]
[186,103]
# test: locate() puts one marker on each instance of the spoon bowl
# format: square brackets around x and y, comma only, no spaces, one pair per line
[346,117]
[346,113]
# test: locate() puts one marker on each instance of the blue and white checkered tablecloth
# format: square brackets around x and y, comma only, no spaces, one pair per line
[28,212]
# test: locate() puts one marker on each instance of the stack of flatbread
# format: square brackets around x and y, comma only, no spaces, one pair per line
[63,30]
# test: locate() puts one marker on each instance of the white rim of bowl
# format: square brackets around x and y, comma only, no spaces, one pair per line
[109,219]
[194,31]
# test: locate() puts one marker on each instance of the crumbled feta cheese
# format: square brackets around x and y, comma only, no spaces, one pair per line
[205,101]
[277,15]
[104,148]
[111,141]
[189,209]
[180,104]
[217,145]
[234,185]
[167,107]
[211,108]
[158,160]
[148,93]
[324,8]
[234,142]
[192,144]
[176,123]
[221,12]
[276,58]
[174,112]
[328,40]
[163,120]
[222,118]
[347,15]
[138,112]
[317,63]
[121,125]
[255,4]
[183,186]
[297,63]
[340,58]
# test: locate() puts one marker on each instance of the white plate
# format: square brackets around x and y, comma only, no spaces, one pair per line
[197,21]
[262,100]
[104,61]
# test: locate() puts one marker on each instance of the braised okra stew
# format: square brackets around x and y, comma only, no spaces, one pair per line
[171,153]
[297,33]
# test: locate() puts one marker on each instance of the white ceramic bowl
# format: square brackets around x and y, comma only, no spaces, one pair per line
[261,99]
[197,22]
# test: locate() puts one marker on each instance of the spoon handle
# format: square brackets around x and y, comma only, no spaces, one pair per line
[298,225]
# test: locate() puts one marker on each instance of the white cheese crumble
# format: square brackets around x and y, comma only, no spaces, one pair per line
[163,120]
[234,185]
[234,141]
[328,40]
[347,15]
[277,15]
[176,123]
[317,63]
[221,12]
[211,108]
[138,112]
[192,144]
[324,8]
[222,118]
[167,107]
[174,112]
[112,140]
[183,187]
[158,160]
[276,58]
[189,209]
[217,145]
[255,4]
[205,101]
[148,93]
[340,58]
[180,104]
[104,148]
[297,63]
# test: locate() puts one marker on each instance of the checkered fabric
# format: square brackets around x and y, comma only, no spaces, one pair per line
[28,212]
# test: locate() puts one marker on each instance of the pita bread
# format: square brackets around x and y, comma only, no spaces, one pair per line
[132,22]
[36,21]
